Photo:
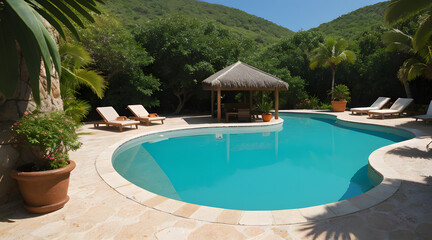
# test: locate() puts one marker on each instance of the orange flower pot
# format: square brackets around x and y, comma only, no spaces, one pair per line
[44,191]
[339,106]
[267,117]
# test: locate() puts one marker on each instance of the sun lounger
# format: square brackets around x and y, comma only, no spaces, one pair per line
[428,116]
[378,104]
[142,115]
[397,108]
[111,118]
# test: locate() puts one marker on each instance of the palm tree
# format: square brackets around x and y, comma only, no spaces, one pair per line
[420,62]
[329,55]
[74,60]
[403,9]
[22,29]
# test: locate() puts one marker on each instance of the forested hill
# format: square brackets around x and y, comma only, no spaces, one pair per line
[354,23]
[132,12]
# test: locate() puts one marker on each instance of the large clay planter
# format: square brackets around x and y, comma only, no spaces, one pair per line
[44,191]
[339,106]
[267,117]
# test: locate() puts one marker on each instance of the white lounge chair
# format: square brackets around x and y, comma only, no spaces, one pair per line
[428,116]
[111,118]
[141,114]
[397,108]
[378,104]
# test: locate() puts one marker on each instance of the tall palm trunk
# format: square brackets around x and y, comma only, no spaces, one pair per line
[333,82]
[407,89]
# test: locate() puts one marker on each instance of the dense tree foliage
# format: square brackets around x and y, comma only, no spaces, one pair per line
[352,25]
[162,62]
[187,51]
[121,60]
[136,12]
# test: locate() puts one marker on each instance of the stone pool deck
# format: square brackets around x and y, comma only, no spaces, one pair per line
[98,211]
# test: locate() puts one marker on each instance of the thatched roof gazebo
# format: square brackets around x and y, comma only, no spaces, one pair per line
[243,77]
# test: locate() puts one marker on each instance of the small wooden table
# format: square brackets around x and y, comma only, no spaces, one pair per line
[228,114]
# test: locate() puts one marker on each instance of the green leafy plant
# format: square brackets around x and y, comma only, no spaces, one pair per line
[330,54]
[341,93]
[266,107]
[75,74]
[403,9]
[308,103]
[22,28]
[326,106]
[50,137]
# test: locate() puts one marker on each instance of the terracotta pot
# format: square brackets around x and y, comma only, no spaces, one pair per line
[266,117]
[339,106]
[44,191]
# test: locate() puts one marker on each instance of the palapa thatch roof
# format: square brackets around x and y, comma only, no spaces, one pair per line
[241,76]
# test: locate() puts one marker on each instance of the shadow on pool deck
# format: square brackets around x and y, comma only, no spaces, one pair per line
[405,215]
[411,152]
[13,211]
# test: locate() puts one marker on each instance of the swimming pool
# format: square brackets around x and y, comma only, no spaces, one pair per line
[311,159]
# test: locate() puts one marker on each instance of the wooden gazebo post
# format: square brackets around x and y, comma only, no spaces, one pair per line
[212,103]
[219,114]
[276,103]
[250,99]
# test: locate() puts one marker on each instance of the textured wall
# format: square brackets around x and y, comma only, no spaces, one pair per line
[11,156]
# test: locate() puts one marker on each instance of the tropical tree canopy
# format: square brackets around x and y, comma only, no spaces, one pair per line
[330,54]
[420,62]
[187,51]
[76,74]
[403,9]
[21,21]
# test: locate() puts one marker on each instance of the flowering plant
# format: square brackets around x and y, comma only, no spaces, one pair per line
[308,103]
[50,137]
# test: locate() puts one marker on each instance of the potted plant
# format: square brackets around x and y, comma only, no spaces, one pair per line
[265,108]
[340,97]
[44,182]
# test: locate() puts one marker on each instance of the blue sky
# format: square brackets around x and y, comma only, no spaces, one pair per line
[296,14]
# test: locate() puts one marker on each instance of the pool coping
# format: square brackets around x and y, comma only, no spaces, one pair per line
[389,185]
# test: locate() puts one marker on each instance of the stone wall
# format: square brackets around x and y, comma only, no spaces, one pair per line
[13,109]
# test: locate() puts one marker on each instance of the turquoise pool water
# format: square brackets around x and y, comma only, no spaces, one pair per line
[311,159]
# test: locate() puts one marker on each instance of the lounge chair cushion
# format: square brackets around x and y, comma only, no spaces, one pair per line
[401,104]
[363,109]
[398,107]
[124,122]
[139,111]
[378,104]
[142,114]
[428,114]
[107,113]
[111,117]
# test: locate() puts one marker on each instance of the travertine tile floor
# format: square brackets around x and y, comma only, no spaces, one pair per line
[96,211]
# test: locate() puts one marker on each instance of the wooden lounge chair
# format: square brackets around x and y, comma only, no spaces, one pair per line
[428,116]
[142,115]
[111,118]
[378,104]
[397,108]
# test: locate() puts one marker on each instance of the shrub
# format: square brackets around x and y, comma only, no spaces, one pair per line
[50,137]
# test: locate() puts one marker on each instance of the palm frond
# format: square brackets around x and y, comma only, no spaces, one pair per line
[74,54]
[93,80]
[423,34]
[21,23]
[403,9]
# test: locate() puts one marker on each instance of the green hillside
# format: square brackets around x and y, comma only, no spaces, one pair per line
[133,12]
[354,23]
